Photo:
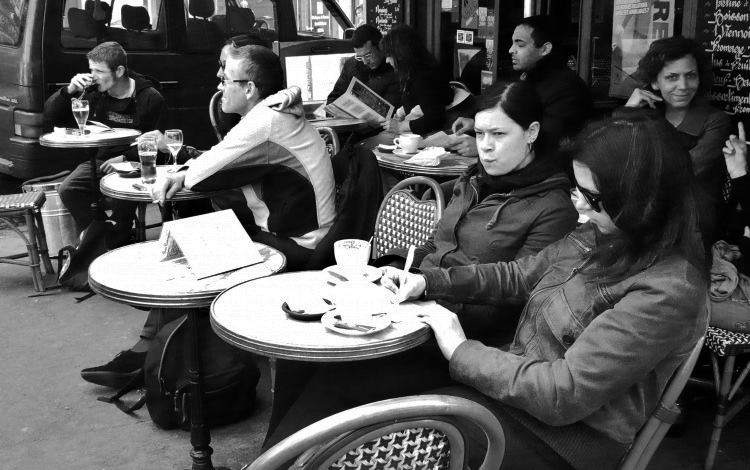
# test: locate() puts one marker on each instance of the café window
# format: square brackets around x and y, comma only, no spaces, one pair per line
[316,21]
[210,22]
[135,24]
[620,34]
[12,18]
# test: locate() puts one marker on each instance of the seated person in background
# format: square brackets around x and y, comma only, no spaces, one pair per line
[369,66]
[537,53]
[273,161]
[676,75]
[118,97]
[424,87]
[511,204]
[280,166]
[611,310]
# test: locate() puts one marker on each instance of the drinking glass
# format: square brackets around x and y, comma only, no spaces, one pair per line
[147,156]
[80,113]
[174,143]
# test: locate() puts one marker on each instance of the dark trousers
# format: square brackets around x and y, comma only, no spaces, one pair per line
[296,256]
[78,195]
[338,387]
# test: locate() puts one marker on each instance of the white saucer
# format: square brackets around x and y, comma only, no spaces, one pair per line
[387,148]
[369,273]
[403,153]
[379,323]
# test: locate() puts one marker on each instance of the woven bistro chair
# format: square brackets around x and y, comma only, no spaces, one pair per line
[725,346]
[404,219]
[665,414]
[28,206]
[331,139]
[418,432]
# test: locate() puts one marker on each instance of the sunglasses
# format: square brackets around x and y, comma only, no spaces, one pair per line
[593,200]
[222,64]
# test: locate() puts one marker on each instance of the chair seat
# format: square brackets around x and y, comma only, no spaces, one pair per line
[408,448]
[724,342]
[32,200]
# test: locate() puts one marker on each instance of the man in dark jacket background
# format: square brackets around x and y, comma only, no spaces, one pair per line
[117,97]
[369,66]
[537,54]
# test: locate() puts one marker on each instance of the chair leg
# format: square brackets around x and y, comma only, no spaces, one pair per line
[32,248]
[140,222]
[721,410]
[41,237]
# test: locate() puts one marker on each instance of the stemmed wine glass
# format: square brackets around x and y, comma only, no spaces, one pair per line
[80,113]
[174,143]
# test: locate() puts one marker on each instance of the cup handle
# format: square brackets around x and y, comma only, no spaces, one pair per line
[396,141]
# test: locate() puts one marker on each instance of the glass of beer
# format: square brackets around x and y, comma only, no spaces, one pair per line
[80,113]
[147,156]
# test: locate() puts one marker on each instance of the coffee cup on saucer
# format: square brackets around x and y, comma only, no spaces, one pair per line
[352,254]
[408,142]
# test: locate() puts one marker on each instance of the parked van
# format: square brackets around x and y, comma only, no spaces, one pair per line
[43,43]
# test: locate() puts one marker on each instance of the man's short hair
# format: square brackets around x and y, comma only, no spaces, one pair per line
[365,33]
[261,66]
[110,53]
[544,29]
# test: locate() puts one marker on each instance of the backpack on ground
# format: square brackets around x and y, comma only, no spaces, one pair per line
[228,381]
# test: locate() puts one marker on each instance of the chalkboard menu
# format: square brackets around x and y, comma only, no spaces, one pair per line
[383,14]
[724,30]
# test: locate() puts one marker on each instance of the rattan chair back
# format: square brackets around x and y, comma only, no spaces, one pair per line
[331,139]
[416,432]
[404,219]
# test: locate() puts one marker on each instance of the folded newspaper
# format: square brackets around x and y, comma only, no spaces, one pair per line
[360,102]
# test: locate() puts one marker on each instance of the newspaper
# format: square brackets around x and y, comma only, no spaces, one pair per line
[361,102]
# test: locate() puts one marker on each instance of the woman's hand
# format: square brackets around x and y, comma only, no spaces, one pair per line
[641,97]
[462,125]
[447,329]
[735,153]
[395,125]
[405,286]
[465,145]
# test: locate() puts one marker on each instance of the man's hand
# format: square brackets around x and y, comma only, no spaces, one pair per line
[462,125]
[465,145]
[395,126]
[106,167]
[405,286]
[641,97]
[161,142]
[735,153]
[163,190]
[79,82]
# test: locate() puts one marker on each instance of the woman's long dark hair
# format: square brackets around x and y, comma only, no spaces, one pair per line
[409,53]
[672,48]
[645,182]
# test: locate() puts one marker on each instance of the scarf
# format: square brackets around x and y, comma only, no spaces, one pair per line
[535,172]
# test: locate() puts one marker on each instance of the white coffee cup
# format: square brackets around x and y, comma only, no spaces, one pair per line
[352,253]
[408,142]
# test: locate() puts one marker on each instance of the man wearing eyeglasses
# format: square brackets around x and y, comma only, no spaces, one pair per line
[273,160]
[369,66]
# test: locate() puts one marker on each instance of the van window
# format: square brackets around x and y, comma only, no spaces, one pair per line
[210,22]
[12,18]
[315,20]
[135,24]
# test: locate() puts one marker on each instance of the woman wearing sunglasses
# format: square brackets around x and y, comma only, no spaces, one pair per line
[611,310]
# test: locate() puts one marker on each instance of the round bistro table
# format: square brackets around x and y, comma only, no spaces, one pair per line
[134,275]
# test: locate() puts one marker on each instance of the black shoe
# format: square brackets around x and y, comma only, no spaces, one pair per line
[118,372]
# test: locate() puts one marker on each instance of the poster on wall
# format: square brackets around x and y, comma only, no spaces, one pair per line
[469,13]
[383,14]
[635,25]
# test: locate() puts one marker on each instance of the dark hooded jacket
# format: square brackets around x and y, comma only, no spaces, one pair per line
[145,112]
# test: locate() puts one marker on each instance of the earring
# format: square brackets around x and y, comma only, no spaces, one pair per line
[529,147]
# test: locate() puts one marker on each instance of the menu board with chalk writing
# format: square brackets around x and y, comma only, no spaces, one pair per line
[383,14]
[723,28]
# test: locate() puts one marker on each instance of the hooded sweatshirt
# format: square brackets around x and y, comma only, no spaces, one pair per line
[145,110]
[279,168]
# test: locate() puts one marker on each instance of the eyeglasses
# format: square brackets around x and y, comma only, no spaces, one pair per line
[363,58]
[593,200]
[222,64]
[224,81]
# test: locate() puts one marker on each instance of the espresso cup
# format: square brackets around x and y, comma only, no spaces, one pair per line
[352,253]
[408,142]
